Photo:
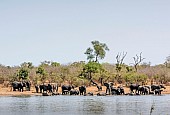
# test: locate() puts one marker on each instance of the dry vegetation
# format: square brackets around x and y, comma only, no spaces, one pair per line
[90,73]
[53,72]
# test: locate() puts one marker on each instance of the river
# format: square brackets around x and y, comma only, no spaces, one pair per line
[85,105]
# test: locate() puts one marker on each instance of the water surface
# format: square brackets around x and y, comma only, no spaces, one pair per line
[85,105]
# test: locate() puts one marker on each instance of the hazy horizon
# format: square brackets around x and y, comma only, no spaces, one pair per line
[62,30]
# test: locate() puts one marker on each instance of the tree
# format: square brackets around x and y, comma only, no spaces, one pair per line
[167,62]
[55,64]
[45,63]
[42,73]
[90,69]
[98,51]
[28,65]
[119,59]
[137,61]
[23,74]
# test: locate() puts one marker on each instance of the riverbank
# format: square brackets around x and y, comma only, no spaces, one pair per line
[7,91]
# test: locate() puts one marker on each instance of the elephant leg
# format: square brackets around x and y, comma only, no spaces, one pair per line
[36,90]
[28,88]
[107,90]
[22,89]
[14,89]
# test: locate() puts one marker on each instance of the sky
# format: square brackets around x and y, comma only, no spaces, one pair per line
[62,30]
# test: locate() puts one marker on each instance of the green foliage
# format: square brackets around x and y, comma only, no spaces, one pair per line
[42,73]
[89,53]
[92,67]
[128,69]
[81,73]
[141,78]
[55,64]
[23,74]
[135,77]
[98,51]
[118,67]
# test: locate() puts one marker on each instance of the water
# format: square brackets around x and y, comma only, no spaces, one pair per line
[85,105]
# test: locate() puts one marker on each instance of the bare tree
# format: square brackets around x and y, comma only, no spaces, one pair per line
[137,60]
[119,59]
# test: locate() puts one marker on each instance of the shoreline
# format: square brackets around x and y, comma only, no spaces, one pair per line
[6,91]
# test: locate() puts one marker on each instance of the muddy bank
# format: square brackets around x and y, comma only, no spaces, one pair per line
[7,91]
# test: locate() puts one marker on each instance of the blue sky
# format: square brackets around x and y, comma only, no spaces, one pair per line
[61,30]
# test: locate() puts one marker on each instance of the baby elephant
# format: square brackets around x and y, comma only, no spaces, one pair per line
[74,92]
[89,94]
[101,94]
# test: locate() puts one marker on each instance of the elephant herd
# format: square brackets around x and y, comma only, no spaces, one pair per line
[135,89]
[46,88]
[146,89]
[66,89]
[20,85]
[110,89]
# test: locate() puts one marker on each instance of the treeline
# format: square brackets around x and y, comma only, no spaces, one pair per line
[90,72]
[79,73]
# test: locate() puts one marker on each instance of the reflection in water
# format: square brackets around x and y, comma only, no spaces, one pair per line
[93,106]
[85,105]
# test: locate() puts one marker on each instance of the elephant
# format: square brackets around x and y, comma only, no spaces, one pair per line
[144,90]
[117,91]
[114,91]
[101,94]
[134,87]
[55,93]
[121,90]
[158,91]
[153,87]
[49,88]
[37,88]
[108,87]
[45,88]
[89,94]
[18,85]
[66,89]
[55,87]
[74,92]
[15,85]
[99,88]
[28,85]
[82,90]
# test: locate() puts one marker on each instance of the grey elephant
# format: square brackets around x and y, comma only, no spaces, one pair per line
[108,87]
[74,92]
[18,86]
[101,94]
[66,89]
[82,90]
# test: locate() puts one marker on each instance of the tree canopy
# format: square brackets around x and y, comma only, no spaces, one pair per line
[97,52]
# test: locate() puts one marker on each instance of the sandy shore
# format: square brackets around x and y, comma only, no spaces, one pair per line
[4,91]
